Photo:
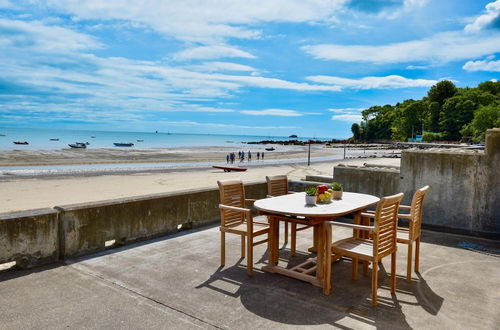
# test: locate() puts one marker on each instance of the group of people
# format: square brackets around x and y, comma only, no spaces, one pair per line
[231,158]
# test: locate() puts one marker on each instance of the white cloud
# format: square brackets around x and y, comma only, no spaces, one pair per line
[346,110]
[211,52]
[223,66]
[485,20]
[206,21]
[439,48]
[44,38]
[272,112]
[387,82]
[493,66]
[348,118]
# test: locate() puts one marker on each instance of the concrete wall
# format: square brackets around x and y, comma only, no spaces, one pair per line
[465,185]
[85,228]
[368,180]
[29,238]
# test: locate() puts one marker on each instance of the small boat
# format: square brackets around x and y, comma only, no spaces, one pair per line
[270,149]
[54,139]
[21,142]
[123,144]
[140,140]
[3,135]
[229,169]
[78,145]
[93,137]
[293,136]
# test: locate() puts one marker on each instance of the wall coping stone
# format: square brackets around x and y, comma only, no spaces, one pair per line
[27,213]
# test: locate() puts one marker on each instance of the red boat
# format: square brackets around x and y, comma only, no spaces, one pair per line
[229,169]
[21,142]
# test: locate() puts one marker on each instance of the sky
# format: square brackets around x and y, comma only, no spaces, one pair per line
[252,67]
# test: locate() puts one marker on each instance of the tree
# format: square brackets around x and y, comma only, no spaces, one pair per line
[409,119]
[492,87]
[457,112]
[356,131]
[484,118]
[441,91]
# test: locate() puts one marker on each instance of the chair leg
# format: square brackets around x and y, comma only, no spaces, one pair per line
[374,282]
[365,268]
[408,263]
[250,255]
[293,236]
[393,272]
[417,254]
[222,248]
[243,246]
[354,268]
[286,232]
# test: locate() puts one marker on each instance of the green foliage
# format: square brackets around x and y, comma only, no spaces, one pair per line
[430,137]
[356,131]
[484,118]
[336,186]
[441,91]
[453,113]
[311,191]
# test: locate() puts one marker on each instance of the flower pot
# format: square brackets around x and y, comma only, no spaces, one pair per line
[310,200]
[337,194]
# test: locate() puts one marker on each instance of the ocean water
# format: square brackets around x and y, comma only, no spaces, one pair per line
[39,139]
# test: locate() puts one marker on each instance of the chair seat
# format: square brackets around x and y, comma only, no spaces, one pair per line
[403,236]
[354,247]
[241,228]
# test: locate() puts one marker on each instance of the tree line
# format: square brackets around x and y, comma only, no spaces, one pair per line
[446,113]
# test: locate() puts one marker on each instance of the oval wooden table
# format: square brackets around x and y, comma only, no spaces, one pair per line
[293,208]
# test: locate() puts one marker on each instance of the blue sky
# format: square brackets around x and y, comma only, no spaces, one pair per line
[305,67]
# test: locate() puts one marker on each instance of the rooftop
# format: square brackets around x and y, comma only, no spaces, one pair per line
[176,282]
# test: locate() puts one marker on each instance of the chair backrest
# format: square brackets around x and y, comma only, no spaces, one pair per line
[232,193]
[386,220]
[277,185]
[417,206]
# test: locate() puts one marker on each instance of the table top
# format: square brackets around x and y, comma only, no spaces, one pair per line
[295,204]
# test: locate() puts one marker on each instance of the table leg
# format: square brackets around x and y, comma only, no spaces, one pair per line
[320,255]
[276,241]
[272,243]
[314,248]
[327,283]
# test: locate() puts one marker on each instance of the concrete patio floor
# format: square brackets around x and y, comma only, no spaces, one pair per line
[176,283]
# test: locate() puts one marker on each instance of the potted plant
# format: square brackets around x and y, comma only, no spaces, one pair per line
[311,195]
[337,190]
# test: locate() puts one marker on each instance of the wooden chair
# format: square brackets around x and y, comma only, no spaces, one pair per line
[235,218]
[412,233]
[383,242]
[277,185]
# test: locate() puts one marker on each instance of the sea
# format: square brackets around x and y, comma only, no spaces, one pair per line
[51,139]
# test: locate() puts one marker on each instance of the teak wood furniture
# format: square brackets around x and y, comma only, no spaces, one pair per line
[382,242]
[412,233]
[235,218]
[277,185]
[292,208]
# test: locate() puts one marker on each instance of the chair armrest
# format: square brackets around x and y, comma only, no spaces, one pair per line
[350,225]
[370,215]
[405,207]
[234,208]
[405,216]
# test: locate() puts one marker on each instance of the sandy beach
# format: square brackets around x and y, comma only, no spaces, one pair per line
[21,193]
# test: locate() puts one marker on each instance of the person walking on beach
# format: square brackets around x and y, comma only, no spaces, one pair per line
[227,159]
[249,155]
[258,155]
[262,155]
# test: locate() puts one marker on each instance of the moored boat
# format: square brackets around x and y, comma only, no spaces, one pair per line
[78,145]
[54,139]
[123,144]
[21,142]
[270,149]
